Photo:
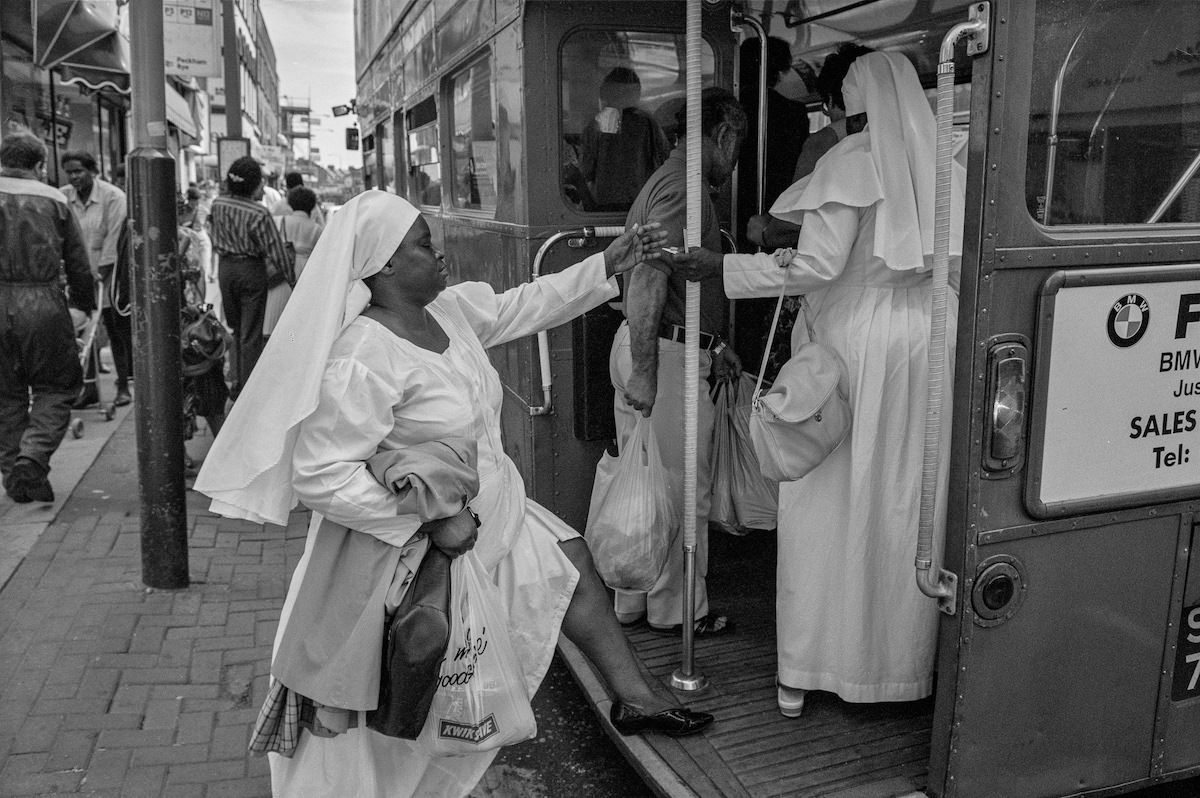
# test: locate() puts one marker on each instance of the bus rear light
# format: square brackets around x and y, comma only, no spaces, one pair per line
[1008,376]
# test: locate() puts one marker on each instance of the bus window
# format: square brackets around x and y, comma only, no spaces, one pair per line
[473,142]
[387,157]
[620,92]
[1115,140]
[424,163]
[370,172]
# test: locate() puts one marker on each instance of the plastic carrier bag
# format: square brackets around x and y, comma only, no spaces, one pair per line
[631,519]
[742,498]
[481,702]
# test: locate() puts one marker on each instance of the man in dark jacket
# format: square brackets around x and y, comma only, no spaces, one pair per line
[40,375]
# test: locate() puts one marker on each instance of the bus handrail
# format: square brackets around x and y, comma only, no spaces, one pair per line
[543,340]
[939,583]
[1176,190]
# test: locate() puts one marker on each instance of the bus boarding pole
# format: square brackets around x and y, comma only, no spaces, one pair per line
[158,400]
[687,677]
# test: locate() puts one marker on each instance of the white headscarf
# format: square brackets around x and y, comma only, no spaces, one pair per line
[248,471]
[900,174]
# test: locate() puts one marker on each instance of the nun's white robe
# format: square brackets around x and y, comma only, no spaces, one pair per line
[382,392]
[849,616]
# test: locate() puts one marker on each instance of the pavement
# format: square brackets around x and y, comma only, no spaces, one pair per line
[110,688]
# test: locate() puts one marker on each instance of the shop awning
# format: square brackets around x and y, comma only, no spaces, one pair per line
[179,114]
[80,38]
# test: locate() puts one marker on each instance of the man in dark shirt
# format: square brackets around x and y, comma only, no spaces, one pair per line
[252,260]
[646,363]
[40,374]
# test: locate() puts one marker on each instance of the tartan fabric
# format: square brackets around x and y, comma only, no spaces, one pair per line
[284,714]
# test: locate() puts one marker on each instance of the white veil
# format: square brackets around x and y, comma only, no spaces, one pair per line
[248,471]
[903,135]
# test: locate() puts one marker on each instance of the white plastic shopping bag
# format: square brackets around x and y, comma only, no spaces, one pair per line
[481,701]
[631,519]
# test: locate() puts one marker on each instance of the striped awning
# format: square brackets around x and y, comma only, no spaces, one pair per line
[79,38]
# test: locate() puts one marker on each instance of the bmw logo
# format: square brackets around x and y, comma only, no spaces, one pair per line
[1128,320]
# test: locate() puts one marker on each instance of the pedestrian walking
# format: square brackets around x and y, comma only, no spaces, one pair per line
[252,260]
[102,210]
[40,374]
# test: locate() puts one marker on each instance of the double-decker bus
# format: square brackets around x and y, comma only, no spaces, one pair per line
[1069,648]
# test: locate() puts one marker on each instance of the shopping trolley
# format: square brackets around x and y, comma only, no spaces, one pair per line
[88,352]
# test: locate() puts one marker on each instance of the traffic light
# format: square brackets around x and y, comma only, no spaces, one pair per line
[352,138]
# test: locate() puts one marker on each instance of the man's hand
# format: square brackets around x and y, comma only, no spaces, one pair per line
[635,245]
[454,535]
[696,264]
[640,392]
[756,228]
[726,366]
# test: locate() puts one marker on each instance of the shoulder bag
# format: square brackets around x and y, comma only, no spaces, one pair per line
[414,645]
[805,414]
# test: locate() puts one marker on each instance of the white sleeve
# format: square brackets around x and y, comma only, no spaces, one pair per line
[528,308]
[329,470]
[822,250]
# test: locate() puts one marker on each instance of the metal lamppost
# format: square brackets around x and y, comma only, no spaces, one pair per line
[158,404]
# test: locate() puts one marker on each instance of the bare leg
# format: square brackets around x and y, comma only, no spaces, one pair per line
[591,625]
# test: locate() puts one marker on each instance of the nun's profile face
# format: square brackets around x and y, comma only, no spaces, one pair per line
[418,268]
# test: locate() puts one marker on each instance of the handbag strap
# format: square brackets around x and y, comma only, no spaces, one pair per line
[762,369]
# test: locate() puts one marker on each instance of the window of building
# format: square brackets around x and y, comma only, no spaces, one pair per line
[473,138]
[621,90]
[424,160]
[1115,113]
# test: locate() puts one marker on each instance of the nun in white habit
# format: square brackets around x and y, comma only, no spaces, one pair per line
[374,353]
[849,616]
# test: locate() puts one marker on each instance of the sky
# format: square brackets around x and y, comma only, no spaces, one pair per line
[314,55]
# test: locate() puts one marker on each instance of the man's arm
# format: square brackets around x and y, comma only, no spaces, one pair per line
[644,299]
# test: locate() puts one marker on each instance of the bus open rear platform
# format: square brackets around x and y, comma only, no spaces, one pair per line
[751,751]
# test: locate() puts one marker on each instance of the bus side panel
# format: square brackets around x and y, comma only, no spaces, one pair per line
[1056,696]
[1181,717]
[564,462]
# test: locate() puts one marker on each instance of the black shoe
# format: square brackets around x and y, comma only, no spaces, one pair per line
[123,398]
[88,397]
[677,722]
[27,483]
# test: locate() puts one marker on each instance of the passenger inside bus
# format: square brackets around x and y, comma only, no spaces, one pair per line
[622,145]
[647,358]
[615,134]
[771,232]
[849,616]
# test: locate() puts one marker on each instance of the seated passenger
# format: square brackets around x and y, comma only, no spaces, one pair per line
[622,145]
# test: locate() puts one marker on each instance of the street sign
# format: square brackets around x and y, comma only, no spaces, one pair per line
[229,149]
